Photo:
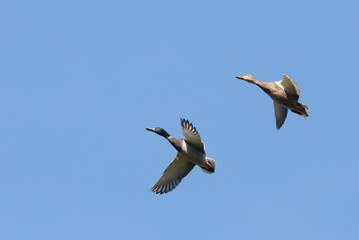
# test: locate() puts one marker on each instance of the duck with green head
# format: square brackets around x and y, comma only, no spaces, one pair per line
[285,94]
[190,152]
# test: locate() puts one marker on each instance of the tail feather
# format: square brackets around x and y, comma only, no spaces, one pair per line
[300,109]
[302,106]
[212,164]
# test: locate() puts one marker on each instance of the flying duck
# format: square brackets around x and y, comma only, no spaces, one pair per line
[285,94]
[190,153]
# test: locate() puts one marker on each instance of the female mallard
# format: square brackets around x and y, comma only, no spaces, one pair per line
[190,153]
[285,94]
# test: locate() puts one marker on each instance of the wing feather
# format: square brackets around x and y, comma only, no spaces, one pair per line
[172,176]
[289,85]
[191,134]
[280,114]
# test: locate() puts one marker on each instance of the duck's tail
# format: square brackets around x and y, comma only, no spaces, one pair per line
[210,166]
[300,109]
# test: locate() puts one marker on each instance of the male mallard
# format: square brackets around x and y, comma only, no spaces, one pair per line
[190,153]
[285,94]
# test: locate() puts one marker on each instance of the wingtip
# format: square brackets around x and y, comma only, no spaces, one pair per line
[183,121]
[156,190]
[285,75]
[160,191]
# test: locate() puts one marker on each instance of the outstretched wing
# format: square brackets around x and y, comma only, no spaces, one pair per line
[289,85]
[172,176]
[280,114]
[191,134]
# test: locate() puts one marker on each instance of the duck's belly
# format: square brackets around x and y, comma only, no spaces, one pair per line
[286,100]
[193,154]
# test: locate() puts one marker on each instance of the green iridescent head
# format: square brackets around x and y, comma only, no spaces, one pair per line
[159,131]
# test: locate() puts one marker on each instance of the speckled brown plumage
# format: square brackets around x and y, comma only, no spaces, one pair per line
[285,94]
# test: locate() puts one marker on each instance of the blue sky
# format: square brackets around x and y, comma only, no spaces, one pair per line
[81,80]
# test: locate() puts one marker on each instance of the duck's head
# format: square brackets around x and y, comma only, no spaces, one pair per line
[159,131]
[209,166]
[248,78]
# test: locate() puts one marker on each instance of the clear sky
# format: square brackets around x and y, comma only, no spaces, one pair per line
[81,80]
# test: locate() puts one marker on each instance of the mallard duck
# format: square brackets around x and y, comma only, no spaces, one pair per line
[285,94]
[190,153]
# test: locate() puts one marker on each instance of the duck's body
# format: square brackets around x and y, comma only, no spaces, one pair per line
[190,153]
[285,94]
[284,98]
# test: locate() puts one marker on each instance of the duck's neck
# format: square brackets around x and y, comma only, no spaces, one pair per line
[163,133]
[265,86]
[255,81]
[176,143]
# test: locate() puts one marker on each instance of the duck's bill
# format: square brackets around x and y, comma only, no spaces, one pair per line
[150,129]
[240,77]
